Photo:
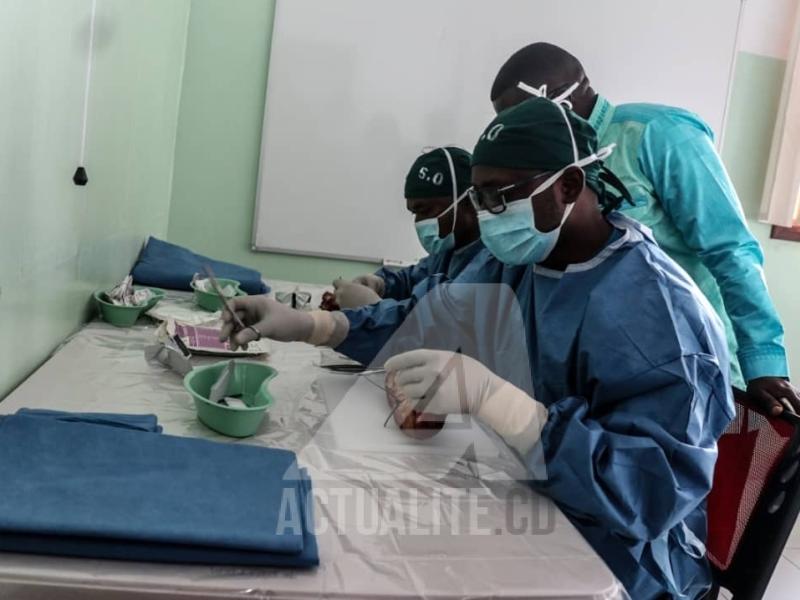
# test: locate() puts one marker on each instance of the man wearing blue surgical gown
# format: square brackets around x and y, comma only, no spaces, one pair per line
[627,362]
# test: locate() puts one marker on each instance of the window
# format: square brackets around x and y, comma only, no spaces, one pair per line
[780,206]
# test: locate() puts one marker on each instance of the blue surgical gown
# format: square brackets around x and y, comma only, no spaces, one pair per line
[631,362]
[450,263]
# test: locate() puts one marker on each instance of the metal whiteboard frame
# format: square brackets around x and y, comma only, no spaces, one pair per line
[726,109]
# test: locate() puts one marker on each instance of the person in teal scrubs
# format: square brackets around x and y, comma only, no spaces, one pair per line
[666,158]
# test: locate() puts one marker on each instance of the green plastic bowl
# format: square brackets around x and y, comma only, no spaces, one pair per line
[125,316]
[250,382]
[209,300]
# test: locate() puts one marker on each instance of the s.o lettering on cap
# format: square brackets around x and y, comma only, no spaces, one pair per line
[492,133]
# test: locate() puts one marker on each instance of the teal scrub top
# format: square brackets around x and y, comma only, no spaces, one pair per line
[666,158]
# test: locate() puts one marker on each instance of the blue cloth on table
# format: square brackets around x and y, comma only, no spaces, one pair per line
[98,490]
[170,266]
[137,422]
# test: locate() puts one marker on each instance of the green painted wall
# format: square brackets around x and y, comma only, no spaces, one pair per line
[748,136]
[219,140]
[58,242]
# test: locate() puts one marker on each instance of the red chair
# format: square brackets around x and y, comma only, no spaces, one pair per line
[754,500]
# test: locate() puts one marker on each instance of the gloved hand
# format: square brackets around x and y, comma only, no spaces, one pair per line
[774,394]
[268,317]
[373,282]
[442,382]
[352,295]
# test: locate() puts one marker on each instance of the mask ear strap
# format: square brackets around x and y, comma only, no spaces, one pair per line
[454,206]
[540,92]
[606,151]
[575,155]
[562,98]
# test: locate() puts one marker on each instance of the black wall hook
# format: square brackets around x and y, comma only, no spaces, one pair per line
[80,177]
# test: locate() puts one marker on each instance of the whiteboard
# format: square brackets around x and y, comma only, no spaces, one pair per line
[357,88]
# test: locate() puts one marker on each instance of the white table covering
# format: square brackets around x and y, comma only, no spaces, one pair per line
[397,520]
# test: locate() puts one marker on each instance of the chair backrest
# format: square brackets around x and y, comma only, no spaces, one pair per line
[754,500]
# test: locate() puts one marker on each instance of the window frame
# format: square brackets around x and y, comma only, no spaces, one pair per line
[780,205]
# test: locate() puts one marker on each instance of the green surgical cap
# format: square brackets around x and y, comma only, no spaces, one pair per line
[430,177]
[534,135]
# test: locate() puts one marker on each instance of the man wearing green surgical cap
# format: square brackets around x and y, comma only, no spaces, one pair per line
[666,158]
[628,360]
[447,228]
[619,381]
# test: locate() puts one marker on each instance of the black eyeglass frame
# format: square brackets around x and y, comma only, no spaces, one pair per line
[477,196]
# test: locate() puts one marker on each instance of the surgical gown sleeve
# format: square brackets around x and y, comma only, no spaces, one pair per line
[640,468]
[400,283]
[678,156]
[437,314]
[372,326]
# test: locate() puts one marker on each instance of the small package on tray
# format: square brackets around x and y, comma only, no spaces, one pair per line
[205,340]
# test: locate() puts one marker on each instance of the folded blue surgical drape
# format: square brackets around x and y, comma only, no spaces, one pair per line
[170,266]
[78,488]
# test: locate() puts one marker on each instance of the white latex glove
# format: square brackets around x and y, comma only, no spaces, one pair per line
[442,382]
[352,295]
[266,317]
[373,282]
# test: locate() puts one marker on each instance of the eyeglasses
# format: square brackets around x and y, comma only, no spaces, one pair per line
[495,200]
